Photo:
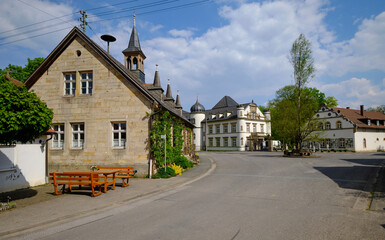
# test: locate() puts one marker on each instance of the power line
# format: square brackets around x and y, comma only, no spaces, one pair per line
[55,18]
[147,5]
[18,40]
[154,11]
[142,6]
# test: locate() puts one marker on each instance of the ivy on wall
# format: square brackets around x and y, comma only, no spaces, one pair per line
[166,124]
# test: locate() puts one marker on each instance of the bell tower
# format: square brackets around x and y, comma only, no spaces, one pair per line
[133,55]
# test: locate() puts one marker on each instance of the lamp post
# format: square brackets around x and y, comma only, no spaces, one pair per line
[164,137]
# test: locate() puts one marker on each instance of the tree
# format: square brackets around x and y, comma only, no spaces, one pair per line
[23,116]
[21,73]
[302,61]
[283,110]
[380,109]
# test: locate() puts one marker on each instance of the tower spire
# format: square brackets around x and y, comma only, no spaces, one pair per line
[133,55]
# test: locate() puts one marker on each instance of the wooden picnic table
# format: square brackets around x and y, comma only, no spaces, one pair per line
[106,174]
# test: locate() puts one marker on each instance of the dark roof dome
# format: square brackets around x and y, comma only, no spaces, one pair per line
[197,107]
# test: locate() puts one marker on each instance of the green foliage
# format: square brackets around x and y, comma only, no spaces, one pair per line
[284,114]
[166,124]
[302,61]
[164,174]
[380,109]
[183,162]
[23,116]
[21,73]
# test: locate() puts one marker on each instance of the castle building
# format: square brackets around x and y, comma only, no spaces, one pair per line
[230,126]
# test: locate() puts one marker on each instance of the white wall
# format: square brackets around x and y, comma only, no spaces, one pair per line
[22,166]
[374,140]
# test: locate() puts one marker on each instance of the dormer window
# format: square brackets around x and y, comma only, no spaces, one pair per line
[368,122]
[378,122]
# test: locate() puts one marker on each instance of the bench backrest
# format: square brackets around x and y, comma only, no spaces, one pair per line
[126,169]
[92,177]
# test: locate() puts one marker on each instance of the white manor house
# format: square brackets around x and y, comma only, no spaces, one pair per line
[350,129]
[230,126]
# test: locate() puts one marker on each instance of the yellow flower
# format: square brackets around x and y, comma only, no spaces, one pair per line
[177,169]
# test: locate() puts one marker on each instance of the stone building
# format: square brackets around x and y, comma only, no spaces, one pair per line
[102,109]
[350,129]
[230,126]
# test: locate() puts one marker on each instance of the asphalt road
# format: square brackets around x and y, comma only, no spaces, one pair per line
[252,195]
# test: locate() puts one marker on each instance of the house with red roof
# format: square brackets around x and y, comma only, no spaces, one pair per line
[352,129]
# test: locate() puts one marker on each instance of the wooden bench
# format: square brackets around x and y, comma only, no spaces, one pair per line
[123,173]
[78,178]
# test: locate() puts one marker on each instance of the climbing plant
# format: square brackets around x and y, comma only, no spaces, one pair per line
[166,124]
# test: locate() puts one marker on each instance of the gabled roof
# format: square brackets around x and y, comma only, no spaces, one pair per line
[128,76]
[226,102]
[359,120]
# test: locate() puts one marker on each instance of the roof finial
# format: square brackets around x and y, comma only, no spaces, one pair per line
[134,17]
[156,66]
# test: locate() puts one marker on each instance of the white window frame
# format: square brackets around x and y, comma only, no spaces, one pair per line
[234,142]
[225,141]
[328,125]
[262,127]
[70,91]
[339,124]
[121,142]
[88,81]
[77,133]
[225,128]
[59,136]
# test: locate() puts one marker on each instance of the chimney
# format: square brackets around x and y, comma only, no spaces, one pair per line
[347,107]
[362,110]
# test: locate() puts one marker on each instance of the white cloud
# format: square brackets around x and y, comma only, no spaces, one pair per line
[364,52]
[355,92]
[247,58]
[15,14]
[181,33]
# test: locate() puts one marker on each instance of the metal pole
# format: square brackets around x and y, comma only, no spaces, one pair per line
[165,164]
[164,137]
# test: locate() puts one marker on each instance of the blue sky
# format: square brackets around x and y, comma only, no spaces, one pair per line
[220,47]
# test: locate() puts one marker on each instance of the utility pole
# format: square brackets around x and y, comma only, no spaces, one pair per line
[83,21]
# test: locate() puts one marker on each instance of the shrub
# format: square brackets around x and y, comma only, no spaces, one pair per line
[322,150]
[183,162]
[345,150]
[177,169]
[164,174]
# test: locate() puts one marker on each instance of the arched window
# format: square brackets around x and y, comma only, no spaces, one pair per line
[241,141]
[129,63]
[135,64]
[320,126]
[327,125]
[364,142]
[339,124]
